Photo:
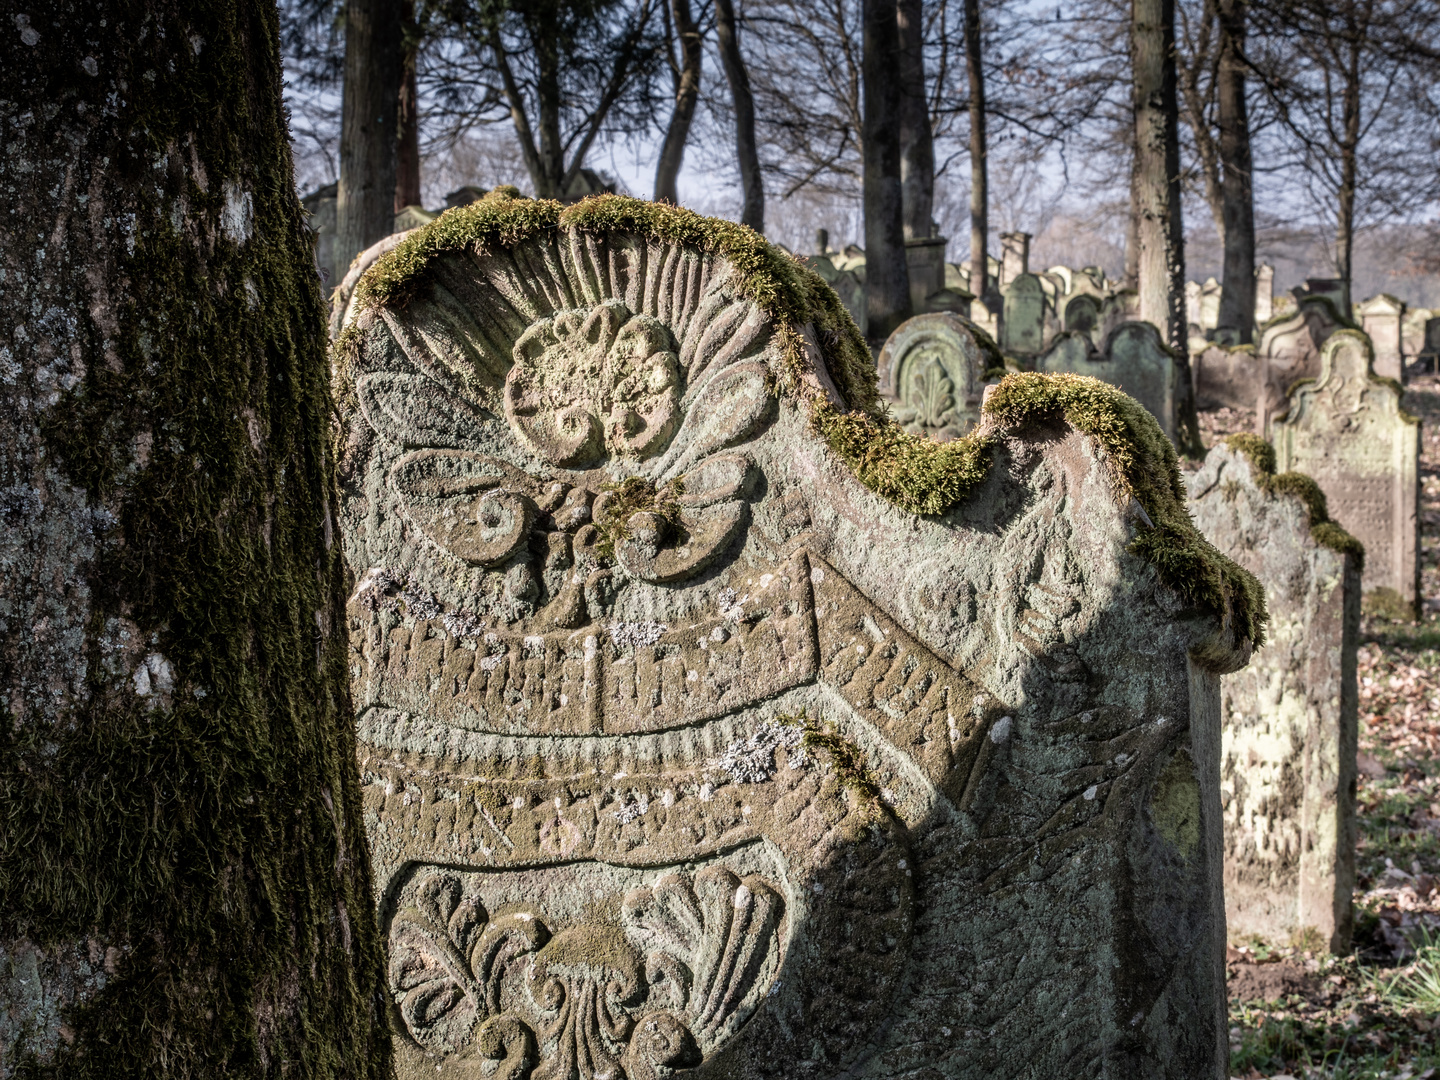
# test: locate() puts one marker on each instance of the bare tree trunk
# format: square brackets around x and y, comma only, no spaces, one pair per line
[1237,296]
[1196,97]
[687,91]
[407,157]
[751,182]
[887,278]
[184,883]
[1132,223]
[1349,163]
[1157,174]
[979,164]
[370,112]
[547,91]
[917,142]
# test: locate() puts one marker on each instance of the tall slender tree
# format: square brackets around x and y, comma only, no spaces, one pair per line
[686,75]
[1237,296]
[887,278]
[1159,225]
[980,283]
[184,884]
[727,32]
[369,126]
[407,153]
[917,142]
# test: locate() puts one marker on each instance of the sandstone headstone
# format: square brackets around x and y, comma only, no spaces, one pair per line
[1014,258]
[1347,430]
[1290,346]
[1134,359]
[1381,317]
[1264,293]
[1082,313]
[1228,376]
[933,367]
[1290,717]
[756,773]
[1023,324]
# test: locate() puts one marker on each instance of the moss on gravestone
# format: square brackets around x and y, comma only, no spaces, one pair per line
[914,473]
[1323,531]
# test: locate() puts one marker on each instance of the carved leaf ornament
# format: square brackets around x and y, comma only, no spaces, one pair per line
[687,963]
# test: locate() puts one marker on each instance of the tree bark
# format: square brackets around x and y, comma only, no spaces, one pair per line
[1237,296]
[407,156]
[184,881]
[1132,223]
[752,185]
[1196,95]
[917,142]
[369,121]
[1350,108]
[1160,227]
[687,91]
[887,278]
[979,164]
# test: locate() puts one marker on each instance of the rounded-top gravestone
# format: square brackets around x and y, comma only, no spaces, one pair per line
[933,367]
[687,742]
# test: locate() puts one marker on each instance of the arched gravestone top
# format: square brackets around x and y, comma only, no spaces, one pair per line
[1023,324]
[934,367]
[1082,313]
[659,774]
[1347,430]
[1134,359]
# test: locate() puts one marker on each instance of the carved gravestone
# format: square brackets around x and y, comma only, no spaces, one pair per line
[933,368]
[1287,773]
[1134,359]
[1347,430]
[681,747]
[1023,323]
[1382,318]
[1082,314]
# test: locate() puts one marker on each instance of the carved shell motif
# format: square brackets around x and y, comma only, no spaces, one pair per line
[687,964]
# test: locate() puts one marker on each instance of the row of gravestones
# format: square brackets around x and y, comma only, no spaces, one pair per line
[1343,424]
[683,749]
[1290,717]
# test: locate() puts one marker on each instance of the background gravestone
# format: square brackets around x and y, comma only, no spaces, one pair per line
[1288,769]
[933,367]
[1134,359]
[1082,313]
[1382,318]
[1347,430]
[763,770]
[1023,323]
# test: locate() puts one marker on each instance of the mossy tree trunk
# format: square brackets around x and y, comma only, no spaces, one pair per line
[687,93]
[980,283]
[407,139]
[184,884]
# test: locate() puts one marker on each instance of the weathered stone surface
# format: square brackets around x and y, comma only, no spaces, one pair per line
[1347,430]
[1134,359]
[1290,345]
[1381,317]
[1022,327]
[1288,768]
[933,367]
[761,774]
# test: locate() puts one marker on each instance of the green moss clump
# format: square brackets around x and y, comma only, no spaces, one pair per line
[1144,465]
[1323,531]
[635,495]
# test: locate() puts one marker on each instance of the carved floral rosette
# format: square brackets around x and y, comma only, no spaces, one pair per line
[655,735]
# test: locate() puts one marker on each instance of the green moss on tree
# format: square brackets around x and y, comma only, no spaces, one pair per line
[1323,531]
[214,841]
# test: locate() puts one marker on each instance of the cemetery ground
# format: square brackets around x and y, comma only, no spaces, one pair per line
[1294,1010]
